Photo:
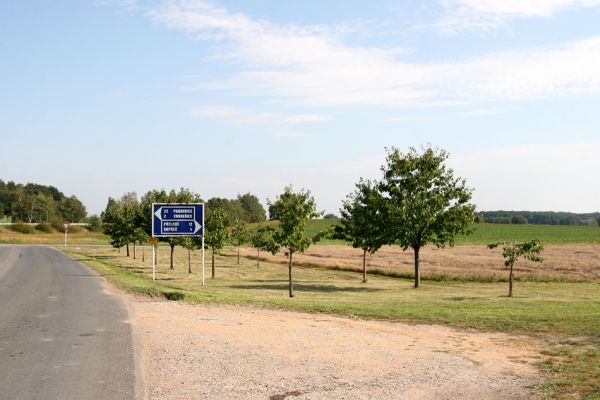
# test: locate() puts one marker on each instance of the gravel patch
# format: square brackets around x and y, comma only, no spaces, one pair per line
[221,352]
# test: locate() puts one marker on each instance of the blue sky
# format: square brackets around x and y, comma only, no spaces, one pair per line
[103,97]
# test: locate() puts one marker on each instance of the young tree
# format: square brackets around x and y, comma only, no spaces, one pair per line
[423,201]
[264,239]
[216,233]
[190,244]
[119,220]
[511,252]
[139,237]
[294,210]
[239,236]
[362,221]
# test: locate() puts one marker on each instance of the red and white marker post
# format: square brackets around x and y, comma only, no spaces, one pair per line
[66,225]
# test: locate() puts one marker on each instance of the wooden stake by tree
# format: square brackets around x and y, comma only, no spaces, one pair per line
[216,234]
[239,236]
[263,239]
[512,251]
[190,244]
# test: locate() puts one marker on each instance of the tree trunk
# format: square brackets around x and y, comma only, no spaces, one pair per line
[213,264]
[156,255]
[417,272]
[257,258]
[127,245]
[290,273]
[172,253]
[134,250]
[189,261]
[510,282]
[143,255]
[238,255]
[364,265]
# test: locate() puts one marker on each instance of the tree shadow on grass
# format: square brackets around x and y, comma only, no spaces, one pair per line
[301,287]
[463,298]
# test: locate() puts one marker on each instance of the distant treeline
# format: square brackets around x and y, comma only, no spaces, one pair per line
[34,203]
[539,217]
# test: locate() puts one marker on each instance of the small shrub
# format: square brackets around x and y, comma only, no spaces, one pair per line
[174,296]
[76,229]
[46,228]
[21,228]
[95,224]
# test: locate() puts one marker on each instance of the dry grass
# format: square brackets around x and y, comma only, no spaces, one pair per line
[561,262]
[83,237]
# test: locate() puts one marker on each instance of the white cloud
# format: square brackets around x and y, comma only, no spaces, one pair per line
[248,117]
[312,66]
[489,15]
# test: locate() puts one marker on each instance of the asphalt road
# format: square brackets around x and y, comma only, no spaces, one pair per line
[61,336]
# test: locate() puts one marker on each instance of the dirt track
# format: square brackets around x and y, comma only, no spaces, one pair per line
[221,352]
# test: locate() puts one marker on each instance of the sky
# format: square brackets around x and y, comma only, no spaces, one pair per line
[101,97]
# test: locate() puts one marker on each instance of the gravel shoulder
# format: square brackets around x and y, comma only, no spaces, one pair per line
[233,352]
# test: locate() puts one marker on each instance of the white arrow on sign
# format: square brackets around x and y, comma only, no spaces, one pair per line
[198,226]
[158,214]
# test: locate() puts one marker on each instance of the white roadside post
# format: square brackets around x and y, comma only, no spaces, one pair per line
[202,260]
[153,262]
[66,226]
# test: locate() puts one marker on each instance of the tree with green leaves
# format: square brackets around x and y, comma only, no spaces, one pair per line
[190,244]
[139,237]
[512,251]
[294,210]
[239,236]
[264,239]
[423,202]
[253,210]
[119,220]
[362,221]
[216,232]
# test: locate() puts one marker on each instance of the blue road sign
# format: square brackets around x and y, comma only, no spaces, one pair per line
[169,220]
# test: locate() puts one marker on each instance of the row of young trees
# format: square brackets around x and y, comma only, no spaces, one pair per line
[417,202]
[34,203]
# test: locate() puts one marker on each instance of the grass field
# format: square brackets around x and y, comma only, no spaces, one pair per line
[549,234]
[489,233]
[566,315]
[482,234]
[82,237]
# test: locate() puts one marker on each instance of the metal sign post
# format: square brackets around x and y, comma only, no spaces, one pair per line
[177,220]
[153,241]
